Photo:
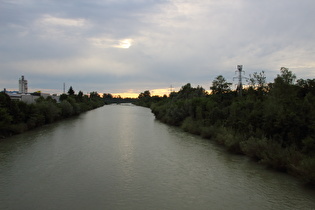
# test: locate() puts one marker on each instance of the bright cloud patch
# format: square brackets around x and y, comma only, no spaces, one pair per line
[126,43]
[60,29]
[66,22]
[105,42]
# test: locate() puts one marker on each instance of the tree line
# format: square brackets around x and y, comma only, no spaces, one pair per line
[272,123]
[17,116]
[110,99]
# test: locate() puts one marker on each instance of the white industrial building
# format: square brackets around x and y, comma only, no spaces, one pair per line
[23,87]
[23,95]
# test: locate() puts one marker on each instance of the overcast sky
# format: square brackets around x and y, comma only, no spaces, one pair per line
[118,46]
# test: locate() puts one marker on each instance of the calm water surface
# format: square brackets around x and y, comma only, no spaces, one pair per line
[120,157]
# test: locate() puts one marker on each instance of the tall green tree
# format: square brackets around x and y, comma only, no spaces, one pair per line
[94,95]
[79,97]
[145,94]
[187,91]
[80,94]
[71,91]
[220,85]
[107,95]
[144,99]
[286,76]
[257,80]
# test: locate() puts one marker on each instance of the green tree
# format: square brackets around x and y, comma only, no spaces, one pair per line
[144,99]
[306,86]
[145,94]
[5,100]
[80,94]
[286,76]
[5,116]
[257,80]
[187,92]
[79,97]
[49,110]
[283,87]
[107,95]
[220,85]
[94,95]
[71,91]
[63,97]
[66,108]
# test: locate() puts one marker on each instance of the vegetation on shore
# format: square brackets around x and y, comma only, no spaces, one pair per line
[272,123]
[17,117]
[110,99]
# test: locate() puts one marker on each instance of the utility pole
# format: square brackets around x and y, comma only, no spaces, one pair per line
[240,78]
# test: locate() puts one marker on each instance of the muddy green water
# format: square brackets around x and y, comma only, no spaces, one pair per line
[120,157]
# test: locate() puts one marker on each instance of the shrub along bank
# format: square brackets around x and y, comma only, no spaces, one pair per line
[17,117]
[271,123]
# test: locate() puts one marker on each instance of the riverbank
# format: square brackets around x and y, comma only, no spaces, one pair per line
[18,117]
[273,154]
[272,123]
[262,150]
[265,151]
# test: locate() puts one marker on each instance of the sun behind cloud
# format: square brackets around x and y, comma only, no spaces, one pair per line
[124,43]
[108,42]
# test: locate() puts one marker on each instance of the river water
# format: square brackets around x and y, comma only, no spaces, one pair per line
[120,157]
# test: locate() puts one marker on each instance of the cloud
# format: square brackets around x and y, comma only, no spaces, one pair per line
[49,21]
[106,42]
[124,43]
[137,45]
[50,27]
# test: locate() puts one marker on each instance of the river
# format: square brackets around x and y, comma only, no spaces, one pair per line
[120,157]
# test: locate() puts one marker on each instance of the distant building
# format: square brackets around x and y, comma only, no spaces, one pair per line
[30,98]
[23,88]
[23,95]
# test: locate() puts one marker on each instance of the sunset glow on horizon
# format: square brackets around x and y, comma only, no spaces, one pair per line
[154,92]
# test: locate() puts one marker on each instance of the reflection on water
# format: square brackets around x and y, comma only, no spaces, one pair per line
[120,157]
